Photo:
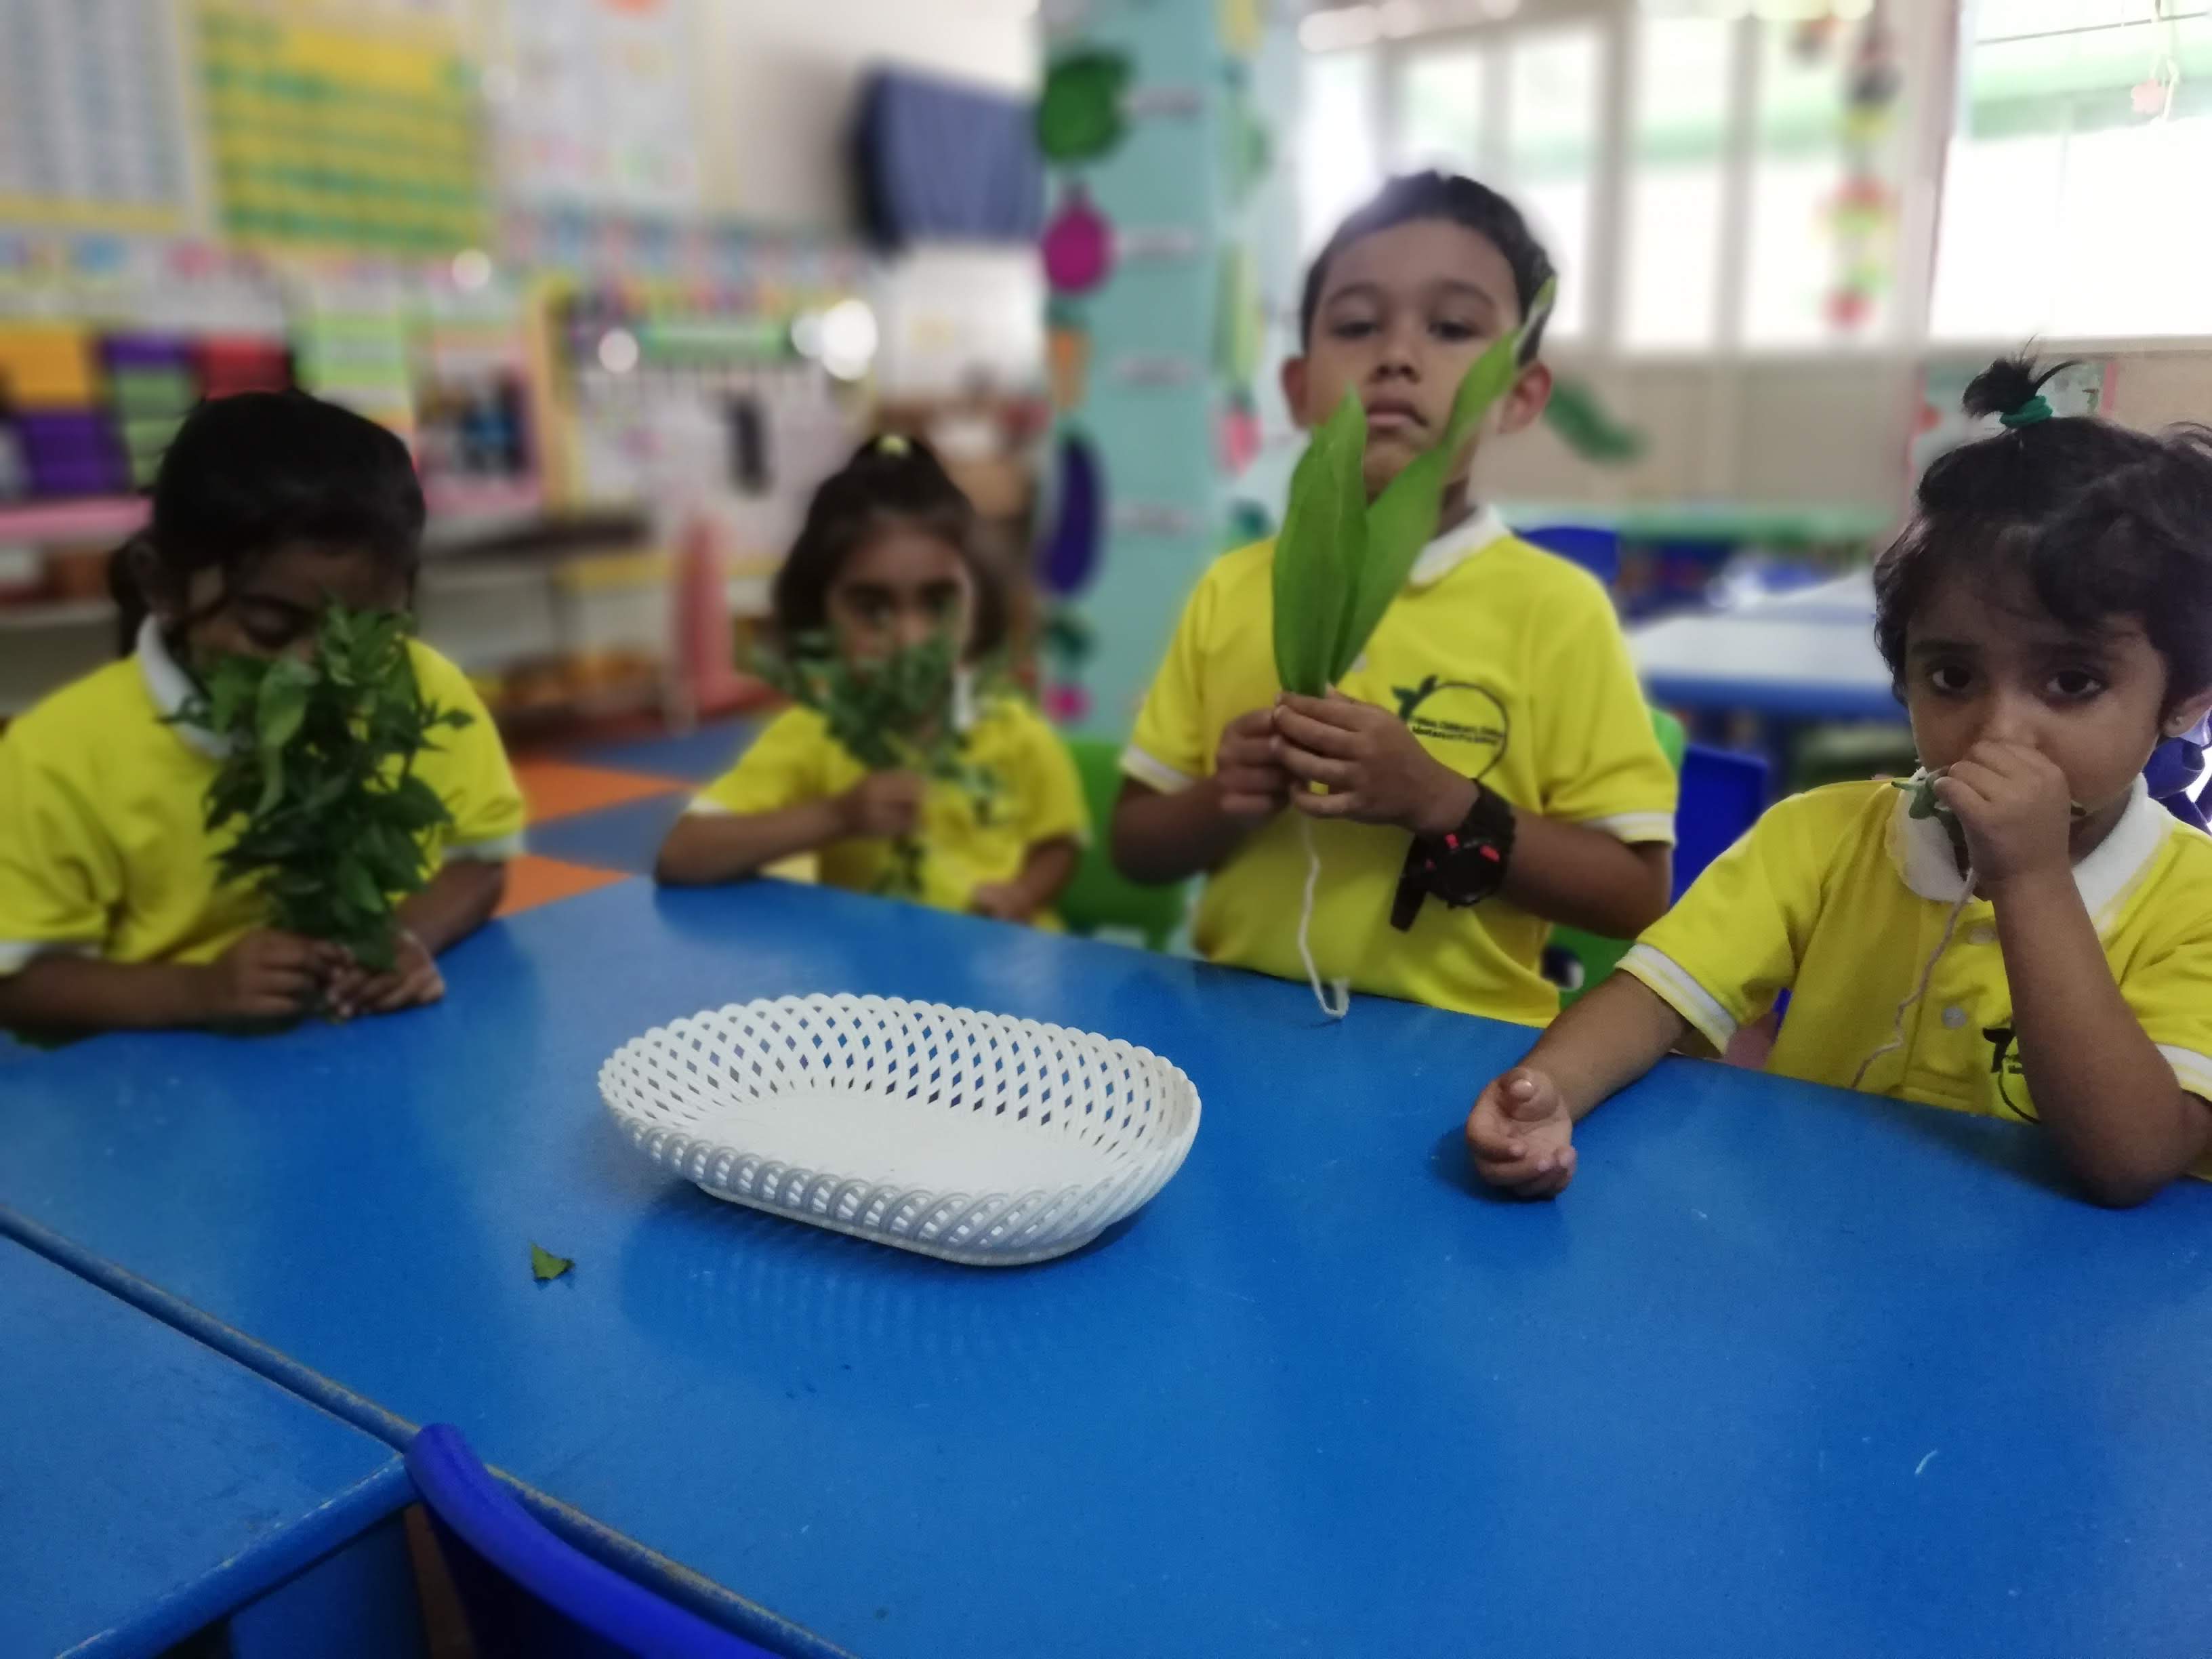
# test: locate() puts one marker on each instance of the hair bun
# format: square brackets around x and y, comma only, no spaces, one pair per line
[2007,384]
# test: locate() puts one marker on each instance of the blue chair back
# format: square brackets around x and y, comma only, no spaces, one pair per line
[1723,794]
[1596,549]
[530,1595]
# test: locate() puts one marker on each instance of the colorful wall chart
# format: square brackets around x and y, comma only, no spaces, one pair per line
[325,134]
[601,113]
[91,136]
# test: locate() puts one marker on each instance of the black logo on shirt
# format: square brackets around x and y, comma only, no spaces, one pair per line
[1464,724]
[2010,1076]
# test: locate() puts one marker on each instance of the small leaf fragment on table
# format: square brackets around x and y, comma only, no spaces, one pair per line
[545,1266]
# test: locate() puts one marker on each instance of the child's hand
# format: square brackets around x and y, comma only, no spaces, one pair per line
[1521,1135]
[1375,770]
[2015,807]
[1253,785]
[883,806]
[1001,901]
[269,975]
[413,982]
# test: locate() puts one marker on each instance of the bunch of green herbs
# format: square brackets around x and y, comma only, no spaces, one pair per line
[320,777]
[891,713]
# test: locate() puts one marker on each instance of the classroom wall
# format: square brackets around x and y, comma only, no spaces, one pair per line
[779,78]
[1809,430]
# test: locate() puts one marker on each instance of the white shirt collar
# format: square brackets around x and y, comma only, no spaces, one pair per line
[1921,850]
[171,688]
[1457,546]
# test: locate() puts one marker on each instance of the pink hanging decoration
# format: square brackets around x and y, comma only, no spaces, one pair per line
[1078,245]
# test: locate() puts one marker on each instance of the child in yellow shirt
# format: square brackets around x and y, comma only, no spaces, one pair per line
[267,507]
[1489,764]
[2040,948]
[886,562]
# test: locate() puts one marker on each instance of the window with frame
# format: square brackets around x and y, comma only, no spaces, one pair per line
[2082,141]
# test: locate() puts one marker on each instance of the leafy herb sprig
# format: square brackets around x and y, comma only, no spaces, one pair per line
[891,713]
[320,776]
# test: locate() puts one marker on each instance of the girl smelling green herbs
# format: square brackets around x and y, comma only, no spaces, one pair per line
[892,769]
[139,886]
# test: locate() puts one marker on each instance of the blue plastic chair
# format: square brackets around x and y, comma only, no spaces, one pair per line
[1596,549]
[527,1595]
[1723,794]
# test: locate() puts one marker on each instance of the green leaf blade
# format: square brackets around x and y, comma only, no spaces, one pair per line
[544,1265]
[1321,546]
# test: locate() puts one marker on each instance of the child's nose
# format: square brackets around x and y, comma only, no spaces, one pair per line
[914,627]
[2012,719]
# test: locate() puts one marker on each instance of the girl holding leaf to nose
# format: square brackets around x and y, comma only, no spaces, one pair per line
[1401,742]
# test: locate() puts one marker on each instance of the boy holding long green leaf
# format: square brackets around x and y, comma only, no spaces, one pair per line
[1440,717]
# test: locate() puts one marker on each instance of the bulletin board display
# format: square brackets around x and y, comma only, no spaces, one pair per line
[602,109]
[366,137]
[92,137]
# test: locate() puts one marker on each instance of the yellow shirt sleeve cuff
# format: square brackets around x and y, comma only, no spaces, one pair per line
[498,849]
[16,955]
[1636,828]
[1672,983]
[1152,773]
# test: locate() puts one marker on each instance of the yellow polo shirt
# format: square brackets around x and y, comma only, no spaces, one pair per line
[1839,897]
[1509,666]
[968,842]
[103,847]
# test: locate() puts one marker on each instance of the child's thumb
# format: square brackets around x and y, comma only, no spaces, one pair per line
[1524,1099]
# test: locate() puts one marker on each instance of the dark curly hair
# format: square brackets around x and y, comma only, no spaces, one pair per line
[890,481]
[1413,196]
[2102,521]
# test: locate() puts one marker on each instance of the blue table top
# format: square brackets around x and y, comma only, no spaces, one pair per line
[1787,1372]
[147,1485]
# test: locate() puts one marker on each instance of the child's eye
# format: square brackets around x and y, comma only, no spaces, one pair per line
[1352,328]
[2073,685]
[1950,678]
[1444,329]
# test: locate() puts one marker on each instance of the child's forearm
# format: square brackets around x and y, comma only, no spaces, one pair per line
[1563,873]
[705,847]
[1607,1040]
[1585,877]
[83,994]
[460,899]
[1171,837]
[1050,865]
[2106,1097]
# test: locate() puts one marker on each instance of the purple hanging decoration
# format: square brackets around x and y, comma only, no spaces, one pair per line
[1069,558]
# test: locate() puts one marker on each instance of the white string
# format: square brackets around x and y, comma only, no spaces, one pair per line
[1340,988]
[1927,973]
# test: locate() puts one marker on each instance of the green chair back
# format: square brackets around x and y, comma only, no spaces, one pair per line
[1100,897]
[1596,955]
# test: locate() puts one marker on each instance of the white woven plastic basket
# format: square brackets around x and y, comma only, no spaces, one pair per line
[974,1137]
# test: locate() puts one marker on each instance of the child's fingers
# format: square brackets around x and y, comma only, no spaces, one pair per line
[1551,1182]
[1492,1138]
[1343,805]
[1317,768]
[1319,737]
[1335,710]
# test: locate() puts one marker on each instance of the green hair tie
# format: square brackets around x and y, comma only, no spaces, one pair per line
[895,443]
[2037,408]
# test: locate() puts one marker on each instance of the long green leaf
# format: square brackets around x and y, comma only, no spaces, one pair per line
[1320,548]
[1403,519]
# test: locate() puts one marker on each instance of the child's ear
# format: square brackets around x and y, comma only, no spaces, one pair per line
[1525,400]
[1294,391]
[2186,717]
[141,567]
